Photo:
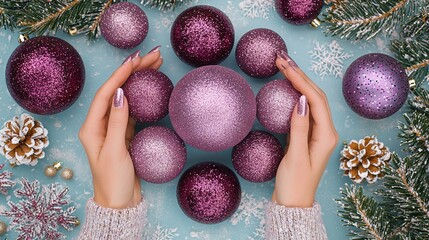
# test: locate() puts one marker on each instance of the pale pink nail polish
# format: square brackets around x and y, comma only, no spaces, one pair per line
[155,49]
[302,106]
[118,99]
[283,55]
[132,56]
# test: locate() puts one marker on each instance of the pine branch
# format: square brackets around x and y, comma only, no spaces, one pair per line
[420,100]
[164,5]
[8,9]
[418,25]
[415,135]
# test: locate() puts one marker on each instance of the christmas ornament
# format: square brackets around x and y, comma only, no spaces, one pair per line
[208,192]
[158,154]
[275,103]
[212,108]
[148,93]
[45,75]
[375,86]
[5,181]
[51,170]
[364,159]
[23,139]
[299,12]
[257,157]
[67,174]
[124,25]
[256,52]
[202,35]
[3,228]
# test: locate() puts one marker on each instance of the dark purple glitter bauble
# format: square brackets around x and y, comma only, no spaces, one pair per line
[124,25]
[257,157]
[299,12]
[275,103]
[202,35]
[45,75]
[148,93]
[212,108]
[208,192]
[375,86]
[158,154]
[256,52]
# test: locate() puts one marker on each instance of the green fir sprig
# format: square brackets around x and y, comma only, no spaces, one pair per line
[9,9]
[164,5]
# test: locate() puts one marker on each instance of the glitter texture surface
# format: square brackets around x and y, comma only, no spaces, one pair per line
[212,108]
[148,93]
[124,25]
[158,154]
[256,52]
[45,75]
[275,102]
[202,35]
[299,12]
[375,86]
[209,192]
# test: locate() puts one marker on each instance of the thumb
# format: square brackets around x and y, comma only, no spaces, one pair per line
[118,120]
[300,125]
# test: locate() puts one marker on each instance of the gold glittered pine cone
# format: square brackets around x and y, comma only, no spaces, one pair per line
[364,159]
[23,139]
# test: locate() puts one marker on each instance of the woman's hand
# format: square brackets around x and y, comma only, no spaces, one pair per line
[106,134]
[312,139]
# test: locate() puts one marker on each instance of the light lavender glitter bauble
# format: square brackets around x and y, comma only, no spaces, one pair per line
[212,108]
[202,35]
[124,25]
[256,52]
[299,12]
[148,93]
[158,154]
[45,75]
[375,86]
[257,157]
[209,192]
[275,103]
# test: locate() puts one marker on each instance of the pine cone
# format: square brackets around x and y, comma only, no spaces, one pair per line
[364,159]
[22,140]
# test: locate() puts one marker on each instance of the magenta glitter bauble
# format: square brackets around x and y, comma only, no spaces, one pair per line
[256,52]
[375,86]
[148,93]
[202,35]
[124,25]
[299,12]
[212,108]
[275,103]
[45,75]
[158,154]
[257,157]
[208,192]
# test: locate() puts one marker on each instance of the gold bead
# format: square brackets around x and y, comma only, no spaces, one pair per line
[77,222]
[3,228]
[67,174]
[51,170]
[315,23]
[73,31]
[22,38]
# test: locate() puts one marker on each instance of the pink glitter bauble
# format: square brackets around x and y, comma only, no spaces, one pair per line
[275,102]
[124,25]
[257,157]
[202,35]
[45,75]
[212,108]
[256,52]
[209,192]
[148,93]
[158,154]
[299,12]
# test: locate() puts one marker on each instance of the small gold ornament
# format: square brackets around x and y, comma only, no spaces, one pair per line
[3,228]
[315,23]
[22,38]
[77,222]
[73,31]
[51,170]
[67,174]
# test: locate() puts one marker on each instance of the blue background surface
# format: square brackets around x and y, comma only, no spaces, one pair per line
[166,220]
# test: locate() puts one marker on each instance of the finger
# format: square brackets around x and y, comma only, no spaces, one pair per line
[118,122]
[149,59]
[300,125]
[157,64]
[130,131]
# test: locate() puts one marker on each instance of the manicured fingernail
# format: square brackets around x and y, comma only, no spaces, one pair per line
[302,106]
[132,56]
[118,99]
[155,49]
[284,56]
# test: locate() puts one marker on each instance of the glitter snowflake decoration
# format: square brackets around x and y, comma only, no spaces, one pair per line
[328,59]
[5,181]
[256,8]
[40,211]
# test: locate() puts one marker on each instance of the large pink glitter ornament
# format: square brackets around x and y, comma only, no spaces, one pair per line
[212,108]
[202,35]
[275,102]
[45,75]
[208,192]
[256,52]
[299,12]
[158,154]
[148,93]
[124,25]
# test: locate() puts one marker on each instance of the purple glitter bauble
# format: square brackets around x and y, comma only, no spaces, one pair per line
[212,108]
[158,154]
[148,93]
[375,86]
[275,102]
[45,75]
[202,35]
[256,52]
[257,157]
[299,12]
[124,25]
[208,192]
